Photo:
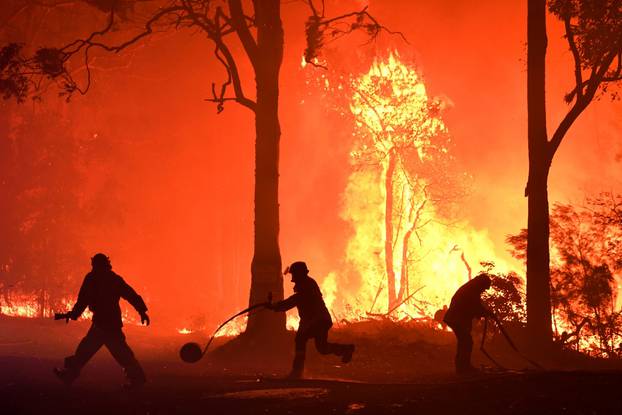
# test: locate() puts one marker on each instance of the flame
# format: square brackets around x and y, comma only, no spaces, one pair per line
[20,309]
[401,152]
[237,326]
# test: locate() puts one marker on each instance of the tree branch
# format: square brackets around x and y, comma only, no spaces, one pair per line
[317,25]
[576,56]
[597,77]
[238,22]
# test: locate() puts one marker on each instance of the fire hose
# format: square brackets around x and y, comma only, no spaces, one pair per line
[509,341]
[192,352]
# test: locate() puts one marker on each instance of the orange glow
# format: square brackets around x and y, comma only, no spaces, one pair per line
[20,309]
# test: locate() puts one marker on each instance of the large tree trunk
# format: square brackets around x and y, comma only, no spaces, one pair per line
[538,277]
[266,266]
[388,226]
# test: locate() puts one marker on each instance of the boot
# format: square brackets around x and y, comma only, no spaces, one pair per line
[67,376]
[347,354]
[295,374]
[135,377]
[298,367]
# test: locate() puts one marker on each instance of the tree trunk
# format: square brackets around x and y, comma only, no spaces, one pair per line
[266,266]
[538,276]
[42,303]
[405,246]
[388,226]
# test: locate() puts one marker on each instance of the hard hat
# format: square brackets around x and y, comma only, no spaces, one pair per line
[297,267]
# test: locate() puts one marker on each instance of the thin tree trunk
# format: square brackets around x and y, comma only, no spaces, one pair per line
[266,266]
[388,226]
[538,273]
[42,303]
[405,246]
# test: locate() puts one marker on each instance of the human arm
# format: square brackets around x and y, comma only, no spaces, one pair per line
[83,299]
[286,304]
[132,297]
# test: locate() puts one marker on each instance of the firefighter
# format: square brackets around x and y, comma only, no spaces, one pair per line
[466,305]
[101,291]
[315,320]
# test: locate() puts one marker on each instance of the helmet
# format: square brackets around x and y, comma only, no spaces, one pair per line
[101,261]
[297,268]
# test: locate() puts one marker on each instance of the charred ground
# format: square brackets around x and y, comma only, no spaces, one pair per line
[397,369]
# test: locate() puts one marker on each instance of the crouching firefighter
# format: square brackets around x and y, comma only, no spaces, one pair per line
[315,319]
[466,305]
[101,291]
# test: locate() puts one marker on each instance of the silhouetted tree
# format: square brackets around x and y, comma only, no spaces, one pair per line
[593,30]
[261,35]
[586,250]
[506,299]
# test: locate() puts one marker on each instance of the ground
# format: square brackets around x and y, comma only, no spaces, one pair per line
[395,370]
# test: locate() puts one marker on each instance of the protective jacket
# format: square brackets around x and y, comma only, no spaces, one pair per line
[466,304]
[308,299]
[100,292]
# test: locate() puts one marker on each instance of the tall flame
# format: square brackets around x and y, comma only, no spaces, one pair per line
[408,253]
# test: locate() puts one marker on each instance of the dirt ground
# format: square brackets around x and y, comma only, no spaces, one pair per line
[396,369]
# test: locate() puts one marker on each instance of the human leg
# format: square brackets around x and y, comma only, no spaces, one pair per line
[464,348]
[123,354]
[86,349]
[324,347]
[300,352]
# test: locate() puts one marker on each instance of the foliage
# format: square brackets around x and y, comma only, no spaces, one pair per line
[594,34]
[13,83]
[506,298]
[585,257]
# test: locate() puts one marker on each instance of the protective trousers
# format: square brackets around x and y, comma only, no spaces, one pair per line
[114,340]
[464,346]
[319,332]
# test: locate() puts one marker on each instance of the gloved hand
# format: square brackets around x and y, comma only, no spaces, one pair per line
[144,318]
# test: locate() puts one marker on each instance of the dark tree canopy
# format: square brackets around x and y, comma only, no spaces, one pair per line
[586,251]
[23,74]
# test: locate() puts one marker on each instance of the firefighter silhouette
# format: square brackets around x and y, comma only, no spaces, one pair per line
[466,305]
[101,291]
[315,320]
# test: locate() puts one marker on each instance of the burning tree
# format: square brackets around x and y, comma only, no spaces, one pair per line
[403,139]
[585,266]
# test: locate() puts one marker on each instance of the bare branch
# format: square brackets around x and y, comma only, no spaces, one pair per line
[595,80]
[576,56]
[317,26]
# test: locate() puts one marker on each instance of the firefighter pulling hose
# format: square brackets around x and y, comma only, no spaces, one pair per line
[466,305]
